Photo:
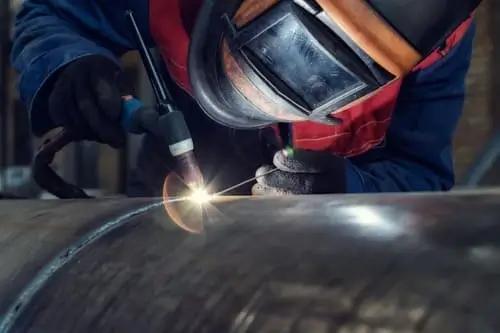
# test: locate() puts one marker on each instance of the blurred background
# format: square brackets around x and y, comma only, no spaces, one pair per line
[104,171]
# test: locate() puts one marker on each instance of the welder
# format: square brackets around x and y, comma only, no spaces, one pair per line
[339,96]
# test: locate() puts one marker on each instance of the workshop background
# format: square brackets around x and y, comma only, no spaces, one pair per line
[104,170]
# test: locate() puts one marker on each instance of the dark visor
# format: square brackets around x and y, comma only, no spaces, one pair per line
[304,60]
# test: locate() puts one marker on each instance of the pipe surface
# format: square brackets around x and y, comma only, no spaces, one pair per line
[391,263]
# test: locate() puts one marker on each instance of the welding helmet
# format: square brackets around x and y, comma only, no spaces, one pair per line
[257,62]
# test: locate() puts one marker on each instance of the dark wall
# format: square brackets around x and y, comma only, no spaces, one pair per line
[481,112]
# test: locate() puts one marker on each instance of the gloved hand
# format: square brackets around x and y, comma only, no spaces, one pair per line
[86,100]
[302,172]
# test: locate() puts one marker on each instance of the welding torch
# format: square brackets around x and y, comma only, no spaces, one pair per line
[165,122]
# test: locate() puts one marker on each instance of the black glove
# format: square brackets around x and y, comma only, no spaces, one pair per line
[302,172]
[86,100]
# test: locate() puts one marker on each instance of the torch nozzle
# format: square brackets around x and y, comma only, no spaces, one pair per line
[189,170]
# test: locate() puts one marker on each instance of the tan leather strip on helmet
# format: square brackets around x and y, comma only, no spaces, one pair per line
[375,36]
[255,96]
[251,9]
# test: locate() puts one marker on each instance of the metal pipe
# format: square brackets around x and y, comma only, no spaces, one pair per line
[413,263]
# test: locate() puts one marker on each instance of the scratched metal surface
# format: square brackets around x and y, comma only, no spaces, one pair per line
[34,232]
[385,263]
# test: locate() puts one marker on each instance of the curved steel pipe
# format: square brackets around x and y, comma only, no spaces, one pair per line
[392,263]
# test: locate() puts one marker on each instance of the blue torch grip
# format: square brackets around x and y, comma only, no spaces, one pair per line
[130,108]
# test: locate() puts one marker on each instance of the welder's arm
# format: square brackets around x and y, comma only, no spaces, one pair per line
[418,152]
[50,34]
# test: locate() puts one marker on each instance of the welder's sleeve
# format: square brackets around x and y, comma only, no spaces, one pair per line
[418,154]
[50,34]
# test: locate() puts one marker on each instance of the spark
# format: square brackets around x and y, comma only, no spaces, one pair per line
[201,196]
[201,200]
